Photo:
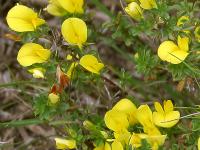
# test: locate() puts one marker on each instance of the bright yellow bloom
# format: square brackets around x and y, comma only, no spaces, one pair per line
[32,53]
[55,8]
[156,140]
[116,145]
[65,144]
[105,146]
[74,31]
[116,121]
[166,117]
[69,57]
[90,63]
[197,33]
[21,19]
[54,98]
[134,10]
[199,143]
[127,107]
[72,6]
[175,54]
[37,72]
[148,4]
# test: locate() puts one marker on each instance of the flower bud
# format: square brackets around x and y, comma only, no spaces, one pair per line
[134,10]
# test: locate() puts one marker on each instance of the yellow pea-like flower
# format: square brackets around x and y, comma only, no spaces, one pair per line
[181,21]
[165,117]
[74,31]
[127,107]
[37,72]
[32,53]
[54,98]
[134,10]
[116,121]
[148,4]
[65,144]
[123,137]
[72,6]
[197,33]
[22,19]
[175,54]
[55,8]
[90,63]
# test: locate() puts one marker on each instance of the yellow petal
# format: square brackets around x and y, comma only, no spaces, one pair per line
[90,63]
[156,141]
[74,31]
[168,106]
[71,69]
[117,145]
[72,6]
[65,144]
[134,10]
[107,146]
[32,53]
[21,19]
[54,98]
[144,116]
[37,72]
[123,137]
[54,8]
[148,4]
[199,143]
[183,43]
[167,120]
[126,106]
[116,121]
[158,107]
[69,57]
[170,52]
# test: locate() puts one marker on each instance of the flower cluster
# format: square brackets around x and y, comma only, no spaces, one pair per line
[125,115]
[31,55]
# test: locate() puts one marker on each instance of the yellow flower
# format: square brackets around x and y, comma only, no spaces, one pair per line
[156,140]
[32,53]
[54,98]
[72,6]
[166,117]
[65,144]
[74,31]
[55,8]
[90,63]
[134,10]
[197,33]
[116,121]
[37,72]
[105,146]
[175,54]
[148,4]
[69,57]
[199,143]
[127,107]
[21,19]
